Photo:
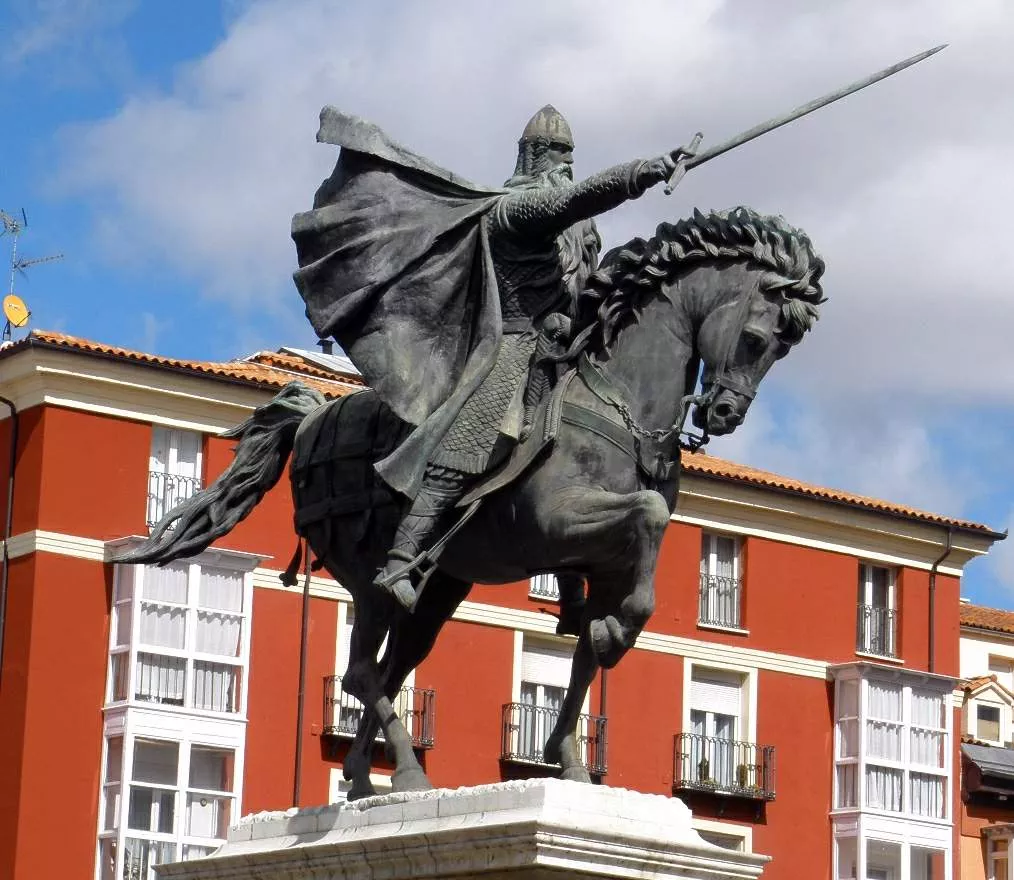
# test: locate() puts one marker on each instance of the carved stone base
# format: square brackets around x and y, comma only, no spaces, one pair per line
[538,829]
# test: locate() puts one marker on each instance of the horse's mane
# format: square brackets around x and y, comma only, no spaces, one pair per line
[633,272]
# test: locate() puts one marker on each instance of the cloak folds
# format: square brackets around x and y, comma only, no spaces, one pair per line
[394,263]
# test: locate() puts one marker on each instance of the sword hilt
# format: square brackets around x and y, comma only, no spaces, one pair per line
[681,164]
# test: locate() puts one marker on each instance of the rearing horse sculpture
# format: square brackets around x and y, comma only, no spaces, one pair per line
[733,290]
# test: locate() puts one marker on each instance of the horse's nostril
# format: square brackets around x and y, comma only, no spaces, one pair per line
[723,410]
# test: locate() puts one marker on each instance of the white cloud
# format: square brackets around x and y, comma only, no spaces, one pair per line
[904,187]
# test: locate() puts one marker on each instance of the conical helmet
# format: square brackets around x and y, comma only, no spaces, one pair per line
[548,123]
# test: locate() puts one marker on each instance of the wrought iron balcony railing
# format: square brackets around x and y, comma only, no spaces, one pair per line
[719,600]
[723,766]
[526,729]
[544,586]
[414,706]
[876,630]
[165,491]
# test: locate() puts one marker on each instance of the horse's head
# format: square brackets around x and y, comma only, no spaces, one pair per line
[735,290]
[754,310]
[740,341]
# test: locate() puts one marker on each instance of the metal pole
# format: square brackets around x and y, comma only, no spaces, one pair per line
[297,771]
[12,465]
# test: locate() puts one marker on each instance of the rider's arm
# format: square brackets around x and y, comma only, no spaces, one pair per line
[546,211]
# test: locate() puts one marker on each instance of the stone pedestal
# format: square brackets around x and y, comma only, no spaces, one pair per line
[539,829]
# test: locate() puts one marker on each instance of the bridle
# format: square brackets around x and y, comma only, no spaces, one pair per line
[656,451]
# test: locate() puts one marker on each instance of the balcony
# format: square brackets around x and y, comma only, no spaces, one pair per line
[526,729]
[165,491]
[719,601]
[877,630]
[414,706]
[723,766]
[544,586]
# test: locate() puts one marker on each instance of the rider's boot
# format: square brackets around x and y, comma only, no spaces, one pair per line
[416,532]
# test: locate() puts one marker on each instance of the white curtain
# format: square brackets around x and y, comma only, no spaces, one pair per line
[885,701]
[927,710]
[163,626]
[167,584]
[161,679]
[883,740]
[927,794]
[218,633]
[215,687]
[883,788]
[221,590]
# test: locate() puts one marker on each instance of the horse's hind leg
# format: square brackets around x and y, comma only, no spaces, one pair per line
[411,639]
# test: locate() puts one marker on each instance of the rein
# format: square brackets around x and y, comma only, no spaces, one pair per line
[649,448]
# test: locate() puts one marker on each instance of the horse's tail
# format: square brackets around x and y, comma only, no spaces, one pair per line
[265,443]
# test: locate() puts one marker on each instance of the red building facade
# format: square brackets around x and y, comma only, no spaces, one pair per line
[796,685]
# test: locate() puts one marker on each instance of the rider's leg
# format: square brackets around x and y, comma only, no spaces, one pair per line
[427,517]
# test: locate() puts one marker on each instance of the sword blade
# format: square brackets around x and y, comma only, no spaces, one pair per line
[805,109]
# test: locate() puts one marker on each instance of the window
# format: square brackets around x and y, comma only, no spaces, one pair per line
[904,766]
[987,722]
[719,597]
[545,673]
[180,800]
[174,470]
[1002,668]
[716,700]
[999,850]
[876,621]
[179,637]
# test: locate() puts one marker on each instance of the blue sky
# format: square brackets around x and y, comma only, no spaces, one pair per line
[163,147]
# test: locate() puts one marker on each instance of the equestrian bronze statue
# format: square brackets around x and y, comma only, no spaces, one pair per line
[526,403]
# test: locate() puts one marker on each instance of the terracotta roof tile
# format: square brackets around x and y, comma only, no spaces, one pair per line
[264,369]
[973,684]
[993,619]
[275,370]
[702,463]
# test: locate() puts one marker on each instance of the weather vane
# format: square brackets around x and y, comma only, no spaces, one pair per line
[14,308]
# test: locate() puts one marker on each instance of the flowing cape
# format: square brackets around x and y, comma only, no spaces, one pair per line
[394,263]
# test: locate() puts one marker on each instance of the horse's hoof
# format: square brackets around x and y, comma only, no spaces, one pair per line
[410,779]
[576,774]
[361,790]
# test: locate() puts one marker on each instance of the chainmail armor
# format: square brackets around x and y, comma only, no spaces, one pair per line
[526,248]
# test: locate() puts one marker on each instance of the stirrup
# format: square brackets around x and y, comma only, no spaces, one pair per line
[412,563]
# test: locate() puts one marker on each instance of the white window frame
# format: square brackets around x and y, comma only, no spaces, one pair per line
[743,832]
[178,838]
[158,486]
[867,586]
[709,568]
[992,856]
[909,685]
[746,729]
[133,720]
[128,653]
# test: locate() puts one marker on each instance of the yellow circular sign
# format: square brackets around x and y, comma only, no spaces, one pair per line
[15,310]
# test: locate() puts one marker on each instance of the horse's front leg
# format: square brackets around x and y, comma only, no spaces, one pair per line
[563,747]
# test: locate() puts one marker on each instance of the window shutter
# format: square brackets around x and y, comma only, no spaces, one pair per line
[544,664]
[718,693]
[341,660]
[188,452]
[158,461]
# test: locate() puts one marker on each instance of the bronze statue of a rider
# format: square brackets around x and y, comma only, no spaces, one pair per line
[444,293]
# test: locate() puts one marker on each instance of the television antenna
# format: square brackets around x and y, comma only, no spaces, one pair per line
[14,308]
